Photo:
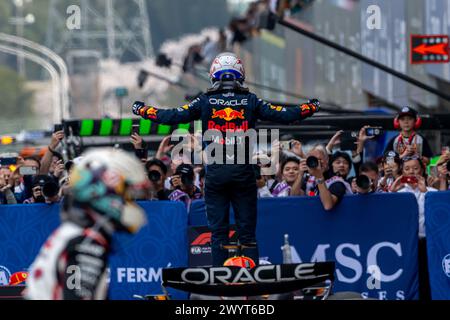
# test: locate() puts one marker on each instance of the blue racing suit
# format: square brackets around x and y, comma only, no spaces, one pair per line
[224,111]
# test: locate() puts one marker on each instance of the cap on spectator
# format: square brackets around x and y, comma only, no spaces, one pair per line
[407,111]
[185,170]
[41,180]
[391,155]
[340,154]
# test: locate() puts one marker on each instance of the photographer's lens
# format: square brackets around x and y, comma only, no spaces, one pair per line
[154,176]
[448,166]
[312,162]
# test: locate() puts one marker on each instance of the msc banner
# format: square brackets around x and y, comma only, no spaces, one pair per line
[135,266]
[437,223]
[373,240]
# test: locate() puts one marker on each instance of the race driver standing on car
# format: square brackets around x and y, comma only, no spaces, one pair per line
[229,106]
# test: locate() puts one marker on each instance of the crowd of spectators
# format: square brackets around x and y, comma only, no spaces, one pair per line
[327,171]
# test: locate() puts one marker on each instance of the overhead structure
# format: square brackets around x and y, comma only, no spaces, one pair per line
[113,27]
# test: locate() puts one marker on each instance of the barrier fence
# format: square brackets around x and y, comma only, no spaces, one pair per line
[373,240]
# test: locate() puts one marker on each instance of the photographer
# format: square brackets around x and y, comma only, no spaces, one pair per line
[367,181]
[315,156]
[332,190]
[183,185]
[157,172]
[45,189]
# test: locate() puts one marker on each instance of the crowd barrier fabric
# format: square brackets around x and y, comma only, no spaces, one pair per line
[373,240]
[135,265]
[437,224]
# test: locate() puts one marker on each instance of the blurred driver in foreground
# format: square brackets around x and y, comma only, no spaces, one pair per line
[72,263]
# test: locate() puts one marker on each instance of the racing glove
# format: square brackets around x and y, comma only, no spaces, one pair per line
[139,108]
[308,109]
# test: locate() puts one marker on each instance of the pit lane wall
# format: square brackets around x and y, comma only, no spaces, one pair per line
[373,240]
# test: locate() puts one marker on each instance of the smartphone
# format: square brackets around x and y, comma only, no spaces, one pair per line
[373,132]
[57,127]
[27,171]
[286,145]
[348,139]
[8,161]
[409,180]
[135,128]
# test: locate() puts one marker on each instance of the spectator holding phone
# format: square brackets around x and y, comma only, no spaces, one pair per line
[157,171]
[26,170]
[409,143]
[413,180]
[365,133]
[51,152]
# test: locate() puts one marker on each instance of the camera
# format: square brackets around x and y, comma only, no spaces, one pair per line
[312,162]
[186,173]
[363,182]
[48,185]
[154,176]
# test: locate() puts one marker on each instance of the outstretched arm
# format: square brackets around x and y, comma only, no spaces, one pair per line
[184,114]
[269,112]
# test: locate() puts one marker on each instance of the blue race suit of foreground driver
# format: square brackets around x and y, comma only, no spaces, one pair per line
[229,110]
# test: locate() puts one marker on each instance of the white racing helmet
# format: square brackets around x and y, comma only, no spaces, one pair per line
[108,180]
[227,66]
